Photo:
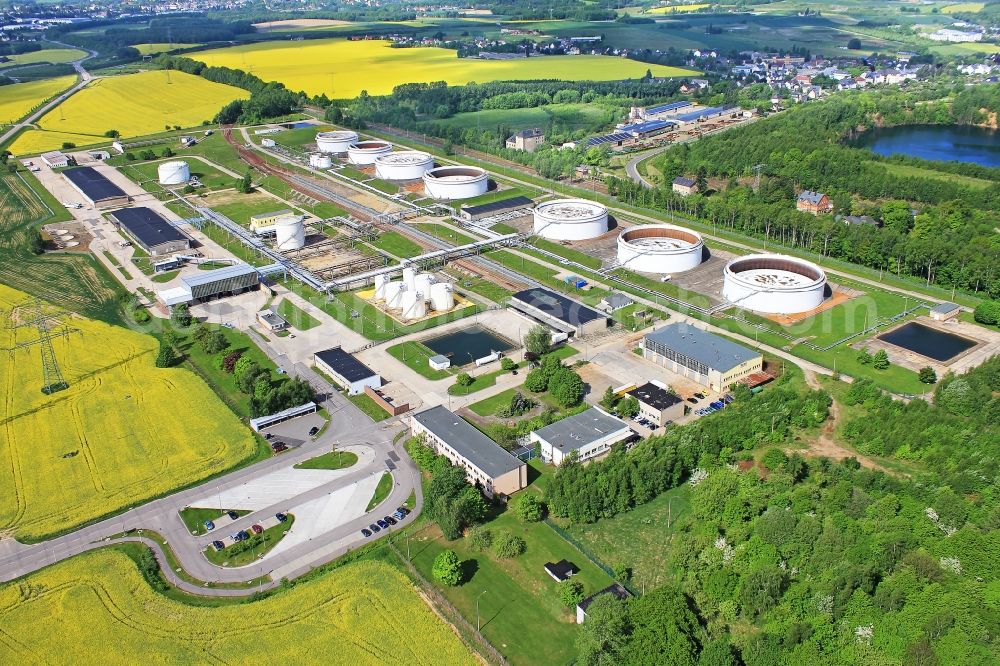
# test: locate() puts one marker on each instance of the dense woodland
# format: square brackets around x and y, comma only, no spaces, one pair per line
[808,561]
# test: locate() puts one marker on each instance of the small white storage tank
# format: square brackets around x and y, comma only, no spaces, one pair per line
[456,182]
[404,165]
[570,219]
[363,153]
[410,278]
[336,141]
[423,282]
[380,282]
[289,233]
[173,173]
[413,305]
[442,297]
[320,161]
[394,295]
[267,143]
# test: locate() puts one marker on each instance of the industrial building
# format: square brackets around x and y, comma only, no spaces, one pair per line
[704,357]
[588,434]
[147,229]
[456,182]
[774,284]
[95,187]
[557,311]
[657,404]
[346,371]
[206,285]
[263,221]
[272,321]
[485,462]
[660,248]
[945,311]
[570,219]
[499,207]
[55,159]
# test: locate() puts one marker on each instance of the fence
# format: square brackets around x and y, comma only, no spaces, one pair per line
[589,555]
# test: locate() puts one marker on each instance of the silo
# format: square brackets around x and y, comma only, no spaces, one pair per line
[410,278]
[442,297]
[290,233]
[413,305]
[394,295]
[380,282]
[320,161]
[173,173]
[422,283]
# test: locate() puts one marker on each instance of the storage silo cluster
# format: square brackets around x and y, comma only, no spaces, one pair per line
[415,294]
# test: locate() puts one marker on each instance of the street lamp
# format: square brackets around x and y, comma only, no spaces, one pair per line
[478,625]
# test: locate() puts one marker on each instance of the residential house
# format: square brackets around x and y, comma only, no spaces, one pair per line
[527,140]
[813,202]
[684,186]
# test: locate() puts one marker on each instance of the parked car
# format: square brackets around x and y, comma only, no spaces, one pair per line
[268,435]
[374,528]
[390,520]
[381,523]
[257,529]
[699,395]
[693,401]
[365,532]
[232,515]
[218,545]
[718,405]
[209,525]
[313,431]
[281,517]
[278,447]
[239,536]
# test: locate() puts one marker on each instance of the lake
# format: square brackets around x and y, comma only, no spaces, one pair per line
[926,341]
[468,344]
[959,143]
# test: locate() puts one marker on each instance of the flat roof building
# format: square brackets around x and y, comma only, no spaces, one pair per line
[346,371]
[485,462]
[264,220]
[271,320]
[55,159]
[704,357]
[150,231]
[225,281]
[561,313]
[589,434]
[95,187]
[561,570]
[478,212]
[657,404]
[945,311]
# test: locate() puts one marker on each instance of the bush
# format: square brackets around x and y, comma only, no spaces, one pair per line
[927,375]
[570,593]
[774,458]
[228,362]
[447,568]
[528,507]
[536,381]
[880,361]
[864,357]
[507,545]
[464,379]
[167,357]
[480,538]
[566,387]
[538,340]
[507,364]
[518,405]
[987,312]
[627,408]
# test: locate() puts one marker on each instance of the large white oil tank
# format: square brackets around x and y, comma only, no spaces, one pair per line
[571,219]
[413,305]
[410,278]
[404,165]
[442,297]
[660,248]
[774,284]
[320,161]
[173,173]
[380,282]
[422,283]
[363,153]
[289,233]
[335,142]
[394,295]
[456,182]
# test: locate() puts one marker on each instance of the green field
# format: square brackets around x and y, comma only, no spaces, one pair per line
[397,245]
[907,171]
[342,69]
[559,117]
[145,173]
[382,491]
[369,407]
[296,316]
[53,56]
[415,355]
[239,555]
[194,518]
[330,460]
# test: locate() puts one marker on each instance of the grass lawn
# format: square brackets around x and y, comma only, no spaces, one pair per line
[369,407]
[296,316]
[445,233]
[637,538]
[485,288]
[414,355]
[397,245]
[330,460]
[165,277]
[907,171]
[489,379]
[519,606]
[489,406]
[246,552]
[195,518]
[381,491]
[581,258]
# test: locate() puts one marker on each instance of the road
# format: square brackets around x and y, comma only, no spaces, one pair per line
[84,78]
[632,168]
[348,426]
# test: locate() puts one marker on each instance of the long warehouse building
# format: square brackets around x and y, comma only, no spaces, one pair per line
[150,231]
[704,357]
[95,187]
[561,313]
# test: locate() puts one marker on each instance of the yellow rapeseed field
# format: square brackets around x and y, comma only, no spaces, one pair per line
[123,431]
[18,99]
[160,47]
[676,9]
[96,608]
[133,104]
[342,68]
[967,7]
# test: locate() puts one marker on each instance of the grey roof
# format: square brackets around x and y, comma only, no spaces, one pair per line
[439,359]
[577,431]
[562,569]
[277,213]
[147,226]
[344,364]
[529,133]
[685,182]
[93,184]
[224,273]
[616,301]
[471,444]
[499,205]
[944,308]
[857,219]
[812,197]
[655,396]
[615,589]
[558,306]
[713,350]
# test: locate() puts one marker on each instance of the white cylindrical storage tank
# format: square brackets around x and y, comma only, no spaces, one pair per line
[410,278]
[289,233]
[659,248]
[423,282]
[404,165]
[363,153]
[571,219]
[380,282]
[320,161]
[173,173]
[774,284]
[394,295]
[442,297]
[336,141]
[456,182]
[413,305]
